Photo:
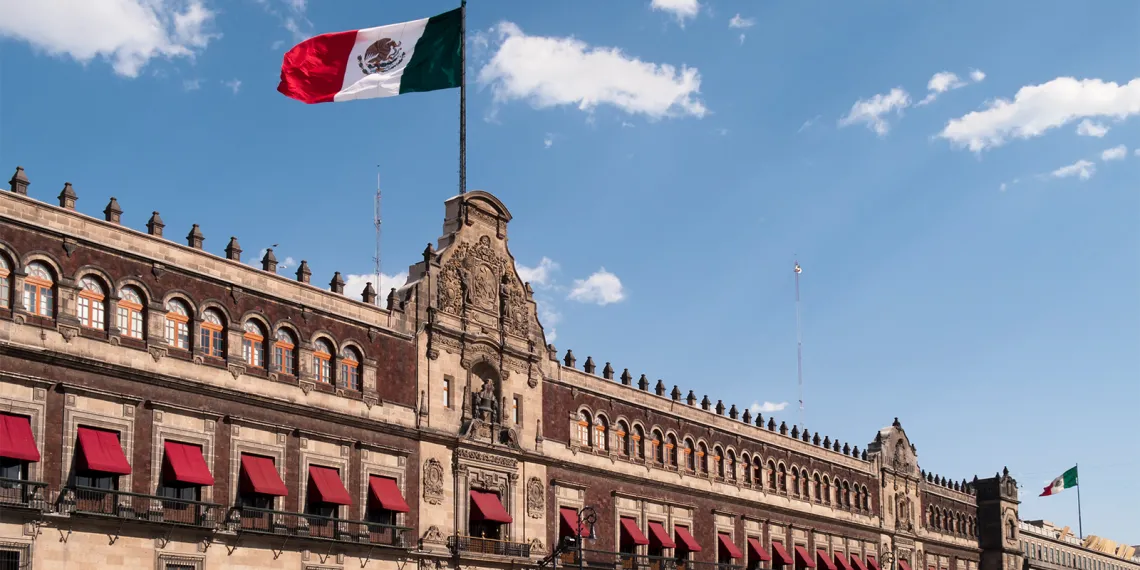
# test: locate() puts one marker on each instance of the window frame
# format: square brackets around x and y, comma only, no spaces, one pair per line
[253,344]
[351,376]
[285,352]
[322,363]
[5,283]
[213,337]
[91,304]
[39,292]
[128,313]
[176,327]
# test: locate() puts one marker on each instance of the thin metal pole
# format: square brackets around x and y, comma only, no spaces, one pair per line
[380,293]
[463,97]
[1080,524]
[799,346]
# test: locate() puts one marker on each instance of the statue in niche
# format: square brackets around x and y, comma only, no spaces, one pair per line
[486,404]
[505,299]
[465,283]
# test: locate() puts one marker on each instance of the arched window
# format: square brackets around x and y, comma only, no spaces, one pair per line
[703,458]
[322,361]
[5,283]
[804,484]
[639,441]
[213,334]
[130,313]
[39,290]
[351,376]
[795,482]
[671,449]
[601,433]
[623,436]
[658,447]
[866,500]
[718,460]
[91,306]
[253,344]
[817,487]
[285,352]
[177,324]
[846,494]
[782,478]
[747,463]
[771,475]
[757,471]
[826,490]
[584,428]
[690,455]
[730,468]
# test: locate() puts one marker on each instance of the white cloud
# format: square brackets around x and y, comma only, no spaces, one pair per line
[1087,128]
[601,288]
[292,16]
[548,140]
[741,39]
[233,84]
[871,111]
[128,33]
[768,407]
[738,22]
[540,276]
[1002,187]
[1137,152]
[1037,108]
[549,316]
[944,81]
[681,9]
[289,263]
[626,125]
[552,71]
[354,285]
[722,132]
[808,123]
[1081,168]
[191,85]
[977,75]
[1114,153]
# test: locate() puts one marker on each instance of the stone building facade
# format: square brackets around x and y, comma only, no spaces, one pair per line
[1046,547]
[170,408]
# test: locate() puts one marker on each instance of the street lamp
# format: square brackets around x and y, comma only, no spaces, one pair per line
[586,519]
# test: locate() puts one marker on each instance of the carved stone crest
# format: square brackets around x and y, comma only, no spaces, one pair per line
[434,536]
[433,481]
[537,547]
[471,277]
[68,332]
[535,498]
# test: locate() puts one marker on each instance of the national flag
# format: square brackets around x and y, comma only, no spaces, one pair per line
[422,55]
[1066,480]
[798,270]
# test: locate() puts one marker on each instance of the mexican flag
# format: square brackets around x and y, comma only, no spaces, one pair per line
[422,55]
[1066,480]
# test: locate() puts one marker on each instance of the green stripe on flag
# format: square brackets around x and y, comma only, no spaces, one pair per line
[437,60]
[1070,478]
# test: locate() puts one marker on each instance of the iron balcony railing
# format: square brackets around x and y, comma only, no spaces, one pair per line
[21,493]
[265,521]
[135,506]
[476,545]
[600,559]
[694,565]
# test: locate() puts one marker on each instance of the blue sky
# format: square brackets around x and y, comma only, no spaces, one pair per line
[971,262]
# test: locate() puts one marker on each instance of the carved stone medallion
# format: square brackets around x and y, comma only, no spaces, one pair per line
[433,481]
[535,498]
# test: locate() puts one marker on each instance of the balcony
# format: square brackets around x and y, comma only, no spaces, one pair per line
[603,560]
[265,521]
[487,546]
[23,494]
[134,506]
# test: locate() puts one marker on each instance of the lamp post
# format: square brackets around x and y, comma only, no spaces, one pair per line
[586,519]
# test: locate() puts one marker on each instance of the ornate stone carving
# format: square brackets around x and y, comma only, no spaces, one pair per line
[433,481]
[237,370]
[157,352]
[477,276]
[434,536]
[68,332]
[488,481]
[537,547]
[114,340]
[535,498]
[497,460]
[307,387]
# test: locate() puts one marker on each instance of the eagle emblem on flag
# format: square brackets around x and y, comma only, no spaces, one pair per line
[381,56]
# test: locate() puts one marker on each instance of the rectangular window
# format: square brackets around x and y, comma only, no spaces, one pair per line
[446,392]
[516,412]
[13,469]
[10,560]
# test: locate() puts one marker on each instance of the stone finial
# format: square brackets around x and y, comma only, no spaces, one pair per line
[691,399]
[569,359]
[863,455]
[897,423]
[956,487]
[855,451]
[113,213]
[759,420]
[337,283]
[747,416]
[733,412]
[608,372]
[826,442]
[195,238]
[369,294]
[154,225]
[643,383]
[815,439]
[720,407]
[551,352]
[878,438]
[303,272]
[675,394]
[706,403]
[589,366]
[233,249]
[806,437]
[269,261]
[429,254]
[391,300]
[922,473]
[846,449]
[771,424]
[1005,471]
[783,428]
[67,197]
[659,388]
[19,182]
[835,446]
[795,432]
[626,378]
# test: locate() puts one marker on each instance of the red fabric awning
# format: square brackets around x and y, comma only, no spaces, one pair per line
[16,439]
[386,492]
[726,543]
[569,521]
[824,560]
[183,463]
[325,486]
[804,557]
[842,560]
[782,556]
[686,538]
[489,507]
[657,533]
[903,564]
[757,550]
[101,451]
[629,528]
[858,562]
[259,475]
[872,563]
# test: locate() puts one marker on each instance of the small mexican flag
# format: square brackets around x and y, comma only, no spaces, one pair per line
[422,55]
[1066,480]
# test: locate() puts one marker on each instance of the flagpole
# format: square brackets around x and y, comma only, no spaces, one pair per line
[1080,524]
[463,97]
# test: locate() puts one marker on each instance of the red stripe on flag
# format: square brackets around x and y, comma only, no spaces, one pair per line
[313,71]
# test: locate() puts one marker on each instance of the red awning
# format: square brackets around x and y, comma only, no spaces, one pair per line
[757,550]
[824,560]
[387,493]
[489,507]
[842,560]
[782,556]
[16,440]
[629,528]
[686,538]
[872,563]
[100,451]
[657,534]
[728,546]
[904,564]
[569,521]
[183,463]
[804,557]
[259,475]
[325,486]
[858,562]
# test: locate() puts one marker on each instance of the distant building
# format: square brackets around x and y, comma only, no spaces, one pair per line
[1047,547]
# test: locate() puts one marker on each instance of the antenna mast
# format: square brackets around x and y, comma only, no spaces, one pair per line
[799,348]
[376,221]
